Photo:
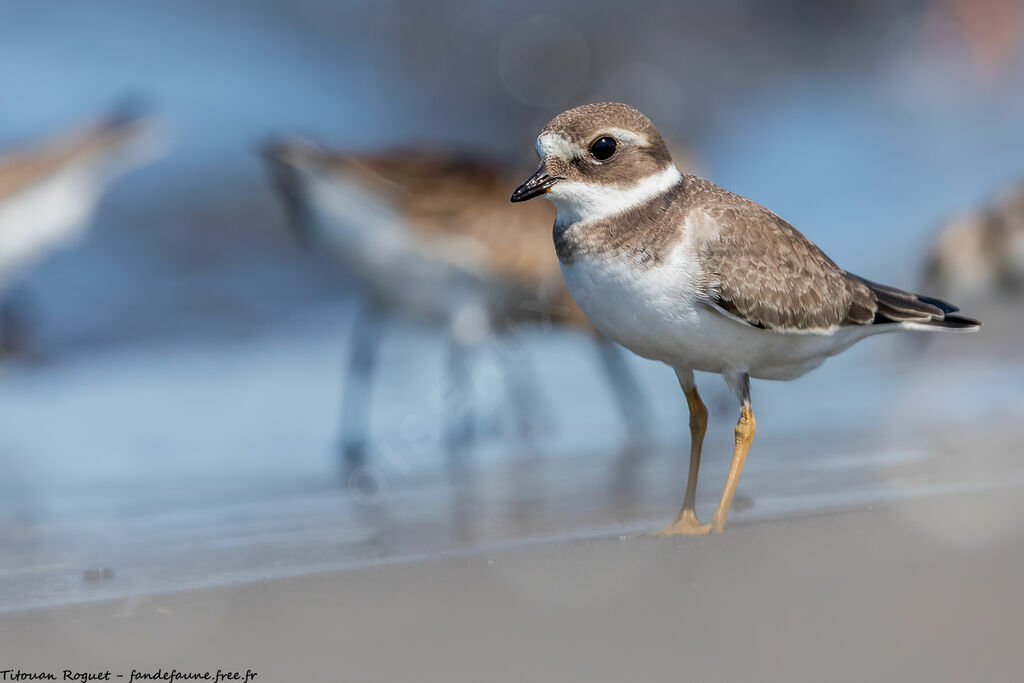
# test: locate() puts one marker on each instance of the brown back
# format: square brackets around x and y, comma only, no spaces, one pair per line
[20,169]
[446,196]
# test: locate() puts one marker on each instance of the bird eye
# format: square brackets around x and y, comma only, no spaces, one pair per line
[602,149]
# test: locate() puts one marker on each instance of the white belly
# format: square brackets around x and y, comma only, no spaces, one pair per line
[41,219]
[657,313]
[369,238]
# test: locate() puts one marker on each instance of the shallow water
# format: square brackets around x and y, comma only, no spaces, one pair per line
[153,470]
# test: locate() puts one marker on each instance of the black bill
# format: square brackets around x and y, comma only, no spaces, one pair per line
[537,184]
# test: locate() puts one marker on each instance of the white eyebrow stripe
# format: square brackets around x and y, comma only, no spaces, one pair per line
[556,145]
[553,144]
[628,136]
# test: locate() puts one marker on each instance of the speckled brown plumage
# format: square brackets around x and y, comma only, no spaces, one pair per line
[761,269]
[755,266]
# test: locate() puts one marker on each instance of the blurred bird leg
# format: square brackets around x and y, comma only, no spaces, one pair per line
[457,402]
[687,522]
[523,386]
[367,329]
[430,235]
[633,406]
[15,323]
[626,486]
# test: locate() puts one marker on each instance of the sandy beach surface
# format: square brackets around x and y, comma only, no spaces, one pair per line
[866,594]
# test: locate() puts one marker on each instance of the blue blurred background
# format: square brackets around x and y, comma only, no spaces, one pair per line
[174,413]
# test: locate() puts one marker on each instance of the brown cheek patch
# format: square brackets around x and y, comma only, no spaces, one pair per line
[627,166]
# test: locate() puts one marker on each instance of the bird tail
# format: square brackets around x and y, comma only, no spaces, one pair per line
[916,311]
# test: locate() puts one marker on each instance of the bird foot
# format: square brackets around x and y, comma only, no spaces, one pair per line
[685,524]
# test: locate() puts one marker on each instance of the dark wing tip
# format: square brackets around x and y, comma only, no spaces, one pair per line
[896,306]
[944,306]
[958,322]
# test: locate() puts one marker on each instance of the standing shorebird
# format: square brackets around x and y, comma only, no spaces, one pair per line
[679,270]
[430,236]
[48,194]
[980,254]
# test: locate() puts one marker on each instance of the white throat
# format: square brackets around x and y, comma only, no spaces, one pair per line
[581,202]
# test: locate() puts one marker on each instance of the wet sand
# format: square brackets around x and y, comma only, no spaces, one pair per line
[920,590]
[169,483]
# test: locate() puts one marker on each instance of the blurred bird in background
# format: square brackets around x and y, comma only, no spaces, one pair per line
[49,192]
[430,235]
[980,254]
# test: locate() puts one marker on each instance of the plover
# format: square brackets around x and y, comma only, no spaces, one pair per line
[679,270]
[429,234]
[980,253]
[49,192]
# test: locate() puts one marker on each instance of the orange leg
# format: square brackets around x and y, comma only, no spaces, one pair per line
[745,429]
[686,522]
